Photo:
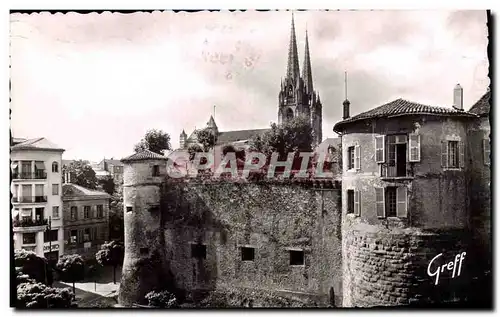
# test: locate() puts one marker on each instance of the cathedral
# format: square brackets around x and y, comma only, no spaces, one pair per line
[296,97]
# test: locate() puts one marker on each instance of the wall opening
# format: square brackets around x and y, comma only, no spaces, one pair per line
[350,201]
[247,254]
[129,209]
[144,251]
[198,251]
[156,170]
[296,257]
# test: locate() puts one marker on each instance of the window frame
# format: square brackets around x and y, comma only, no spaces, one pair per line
[294,251]
[350,201]
[351,157]
[56,165]
[242,253]
[55,192]
[55,215]
[75,214]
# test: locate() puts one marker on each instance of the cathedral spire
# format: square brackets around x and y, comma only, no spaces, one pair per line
[293,71]
[306,69]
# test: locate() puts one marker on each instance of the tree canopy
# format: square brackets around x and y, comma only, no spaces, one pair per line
[107,184]
[163,299]
[206,138]
[71,268]
[111,254]
[31,294]
[37,268]
[154,140]
[81,174]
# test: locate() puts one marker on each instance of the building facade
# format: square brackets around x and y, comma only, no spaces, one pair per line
[36,197]
[406,191]
[114,168]
[86,219]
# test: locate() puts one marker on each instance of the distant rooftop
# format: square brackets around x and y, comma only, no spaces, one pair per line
[401,107]
[144,155]
[482,106]
[37,144]
[72,190]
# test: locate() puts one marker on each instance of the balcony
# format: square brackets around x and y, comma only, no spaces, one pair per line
[30,175]
[30,199]
[394,171]
[29,225]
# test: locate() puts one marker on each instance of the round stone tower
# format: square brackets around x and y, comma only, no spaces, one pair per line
[143,178]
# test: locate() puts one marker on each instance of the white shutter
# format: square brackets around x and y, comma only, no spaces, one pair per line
[414,148]
[401,202]
[380,149]
[486,151]
[444,154]
[461,156]
[357,157]
[357,201]
[380,202]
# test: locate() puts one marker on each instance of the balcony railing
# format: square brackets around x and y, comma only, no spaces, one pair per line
[30,199]
[388,170]
[29,222]
[30,175]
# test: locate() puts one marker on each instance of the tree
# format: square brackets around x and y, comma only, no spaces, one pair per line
[116,228]
[81,173]
[193,149]
[154,140]
[35,267]
[206,138]
[107,184]
[71,268]
[111,254]
[163,299]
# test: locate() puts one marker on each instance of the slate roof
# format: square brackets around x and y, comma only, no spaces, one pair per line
[37,144]
[72,190]
[239,135]
[401,107]
[482,106]
[144,155]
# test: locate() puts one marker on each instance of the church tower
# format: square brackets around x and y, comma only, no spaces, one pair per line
[297,96]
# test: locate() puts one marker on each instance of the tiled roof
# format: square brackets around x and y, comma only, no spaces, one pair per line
[401,107]
[144,155]
[36,144]
[240,135]
[77,190]
[482,106]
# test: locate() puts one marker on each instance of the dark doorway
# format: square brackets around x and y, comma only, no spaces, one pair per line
[401,159]
[332,297]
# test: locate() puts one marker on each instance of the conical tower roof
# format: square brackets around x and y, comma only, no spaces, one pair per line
[306,70]
[293,71]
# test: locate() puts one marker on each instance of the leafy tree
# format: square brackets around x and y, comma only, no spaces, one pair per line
[35,267]
[206,138]
[71,268]
[193,149]
[111,254]
[163,299]
[81,173]
[116,226]
[154,140]
[107,184]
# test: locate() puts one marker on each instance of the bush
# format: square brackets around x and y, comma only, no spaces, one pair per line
[38,295]
[34,266]
[163,299]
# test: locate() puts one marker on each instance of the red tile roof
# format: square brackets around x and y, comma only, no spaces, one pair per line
[144,155]
[401,107]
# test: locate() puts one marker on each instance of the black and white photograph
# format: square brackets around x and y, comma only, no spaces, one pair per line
[169,159]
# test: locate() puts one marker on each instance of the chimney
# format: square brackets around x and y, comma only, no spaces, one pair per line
[346,109]
[458,96]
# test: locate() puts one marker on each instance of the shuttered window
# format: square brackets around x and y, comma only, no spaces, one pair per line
[357,203]
[486,151]
[380,149]
[380,202]
[357,157]
[414,148]
[402,202]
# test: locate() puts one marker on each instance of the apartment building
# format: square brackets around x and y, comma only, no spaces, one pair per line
[114,168]
[36,197]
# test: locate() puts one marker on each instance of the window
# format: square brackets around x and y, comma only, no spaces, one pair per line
[486,151]
[86,235]
[156,170]
[86,212]
[51,235]
[55,212]
[55,189]
[380,149]
[452,154]
[29,238]
[144,251]
[247,254]
[55,167]
[198,251]
[296,257]
[350,158]
[350,201]
[396,156]
[73,236]
[100,211]
[414,148]
[74,212]
[129,209]
[391,202]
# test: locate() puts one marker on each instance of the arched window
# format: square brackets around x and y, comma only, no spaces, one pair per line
[290,91]
[55,167]
[289,114]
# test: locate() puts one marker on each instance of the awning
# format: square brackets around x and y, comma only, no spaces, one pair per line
[39,165]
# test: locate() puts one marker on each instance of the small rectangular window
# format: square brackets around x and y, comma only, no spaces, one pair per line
[350,201]
[29,238]
[199,251]
[73,236]
[74,212]
[156,170]
[86,212]
[129,209]
[86,235]
[390,201]
[247,254]
[55,189]
[350,157]
[100,211]
[453,154]
[55,212]
[296,257]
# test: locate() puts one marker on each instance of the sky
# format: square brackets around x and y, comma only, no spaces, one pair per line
[95,83]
